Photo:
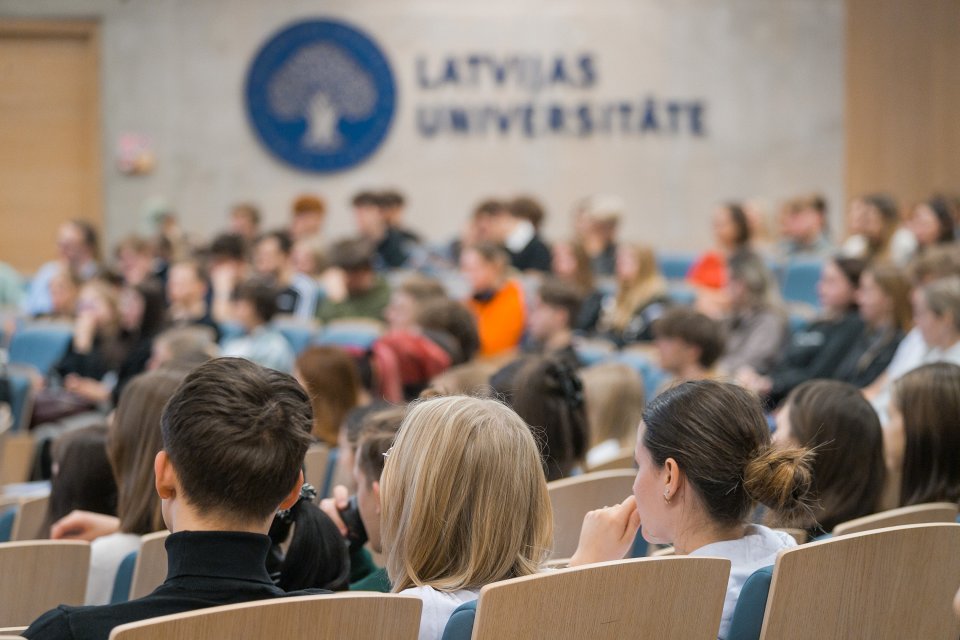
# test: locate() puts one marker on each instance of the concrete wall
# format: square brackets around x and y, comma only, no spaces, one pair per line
[769,74]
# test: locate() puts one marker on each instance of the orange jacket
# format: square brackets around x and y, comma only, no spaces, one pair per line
[500,320]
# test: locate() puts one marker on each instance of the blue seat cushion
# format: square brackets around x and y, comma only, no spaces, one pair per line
[747,617]
[460,624]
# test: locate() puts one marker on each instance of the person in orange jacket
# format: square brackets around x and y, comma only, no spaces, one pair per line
[496,301]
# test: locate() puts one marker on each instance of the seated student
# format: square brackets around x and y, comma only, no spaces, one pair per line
[444,317]
[708,274]
[187,292]
[255,304]
[641,296]
[78,253]
[705,459]
[390,248]
[804,229]
[309,212]
[834,420]
[548,394]
[445,540]
[136,260]
[393,206]
[81,478]
[550,326]
[932,223]
[689,344]
[296,292]
[407,299]
[366,293]
[571,265]
[495,300]
[756,327]
[614,395]
[245,221]
[922,440]
[332,380]
[817,350]
[884,302]
[517,227]
[595,224]
[228,268]
[185,347]
[234,438]
[881,238]
[64,289]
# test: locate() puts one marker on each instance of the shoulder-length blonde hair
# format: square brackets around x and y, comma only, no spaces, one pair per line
[635,292]
[464,499]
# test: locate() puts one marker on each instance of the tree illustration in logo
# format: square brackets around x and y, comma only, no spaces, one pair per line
[322,84]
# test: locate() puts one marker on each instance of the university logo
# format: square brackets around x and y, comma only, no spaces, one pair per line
[320,95]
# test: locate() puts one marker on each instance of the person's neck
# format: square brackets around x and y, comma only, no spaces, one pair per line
[558,340]
[702,534]
[184,517]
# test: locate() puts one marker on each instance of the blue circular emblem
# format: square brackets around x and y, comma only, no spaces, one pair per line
[320,95]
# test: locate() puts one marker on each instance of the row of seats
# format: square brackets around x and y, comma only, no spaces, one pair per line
[896,582]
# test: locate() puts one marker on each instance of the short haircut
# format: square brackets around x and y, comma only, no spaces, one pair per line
[261,295]
[695,329]
[228,246]
[247,210]
[89,235]
[199,271]
[137,244]
[936,262]
[943,296]
[489,207]
[464,499]
[562,295]
[353,254]
[189,345]
[366,199]
[528,209]
[236,434]
[490,252]
[422,288]
[379,431]
[453,318]
[284,241]
[391,199]
[309,203]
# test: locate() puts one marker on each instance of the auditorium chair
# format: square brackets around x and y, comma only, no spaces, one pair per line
[350,332]
[345,616]
[674,266]
[298,334]
[142,571]
[915,514]
[800,278]
[39,575]
[665,598]
[623,460]
[31,513]
[40,345]
[573,497]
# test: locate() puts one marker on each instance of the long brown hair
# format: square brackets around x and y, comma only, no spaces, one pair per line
[893,282]
[928,398]
[332,381]
[834,420]
[133,441]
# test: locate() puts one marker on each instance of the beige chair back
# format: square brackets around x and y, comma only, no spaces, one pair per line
[343,616]
[573,497]
[28,523]
[315,465]
[39,575]
[150,570]
[916,514]
[623,460]
[665,598]
[885,584]
[16,457]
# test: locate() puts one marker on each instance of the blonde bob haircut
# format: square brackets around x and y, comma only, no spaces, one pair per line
[464,499]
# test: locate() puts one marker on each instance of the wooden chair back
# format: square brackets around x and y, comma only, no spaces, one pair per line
[16,457]
[28,523]
[664,598]
[39,575]
[315,466]
[573,497]
[623,460]
[343,616]
[884,584]
[916,514]
[150,570]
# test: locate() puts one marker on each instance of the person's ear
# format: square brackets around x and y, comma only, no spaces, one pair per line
[165,476]
[375,491]
[672,479]
[294,494]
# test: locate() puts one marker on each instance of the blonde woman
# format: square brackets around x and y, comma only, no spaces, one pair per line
[464,504]
[641,296]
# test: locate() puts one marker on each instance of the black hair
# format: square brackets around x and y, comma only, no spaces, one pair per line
[261,295]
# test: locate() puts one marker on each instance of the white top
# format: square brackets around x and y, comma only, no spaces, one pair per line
[757,549]
[521,236]
[437,608]
[106,554]
[913,352]
[265,346]
[903,245]
[603,452]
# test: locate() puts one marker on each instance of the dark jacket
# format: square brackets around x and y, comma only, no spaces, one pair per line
[533,257]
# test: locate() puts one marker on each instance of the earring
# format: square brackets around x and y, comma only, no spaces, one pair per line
[666,496]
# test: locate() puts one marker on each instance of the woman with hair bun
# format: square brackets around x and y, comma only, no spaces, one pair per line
[705,460]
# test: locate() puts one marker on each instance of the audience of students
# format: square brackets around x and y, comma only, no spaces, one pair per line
[572,265]
[366,294]
[254,306]
[496,300]
[550,325]
[78,252]
[880,236]
[731,235]
[804,229]
[296,292]
[640,299]
[391,249]
[689,344]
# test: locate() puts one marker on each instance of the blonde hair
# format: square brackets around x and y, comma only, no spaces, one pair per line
[615,398]
[647,284]
[464,498]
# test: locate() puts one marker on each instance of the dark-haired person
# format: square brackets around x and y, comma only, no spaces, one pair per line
[803,226]
[515,226]
[572,265]
[689,344]
[78,252]
[548,394]
[550,326]
[187,292]
[704,461]
[932,223]
[245,221]
[881,237]
[391,249]
[234,439]
[255,304]
[393,205]
[308,215]
[922,441]
[296,292]
[496,301]
[833,419]
[367,294]
[817,350]
[81,477]
[228,267]
[731,234]
[442,317]
[595,223]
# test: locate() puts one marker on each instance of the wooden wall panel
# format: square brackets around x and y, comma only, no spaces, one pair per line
[902,97]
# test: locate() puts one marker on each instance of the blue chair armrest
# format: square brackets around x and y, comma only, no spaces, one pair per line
[747,617]
[123,582]
[460,624]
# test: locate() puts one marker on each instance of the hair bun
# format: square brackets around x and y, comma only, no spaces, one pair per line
[781,478]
